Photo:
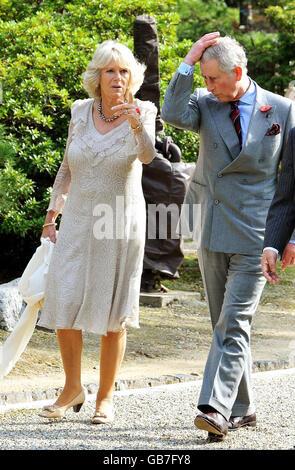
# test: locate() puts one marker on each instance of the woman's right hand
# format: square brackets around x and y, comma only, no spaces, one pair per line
[50,232]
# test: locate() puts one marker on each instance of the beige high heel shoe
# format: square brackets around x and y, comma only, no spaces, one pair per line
[104,417]
[54,411]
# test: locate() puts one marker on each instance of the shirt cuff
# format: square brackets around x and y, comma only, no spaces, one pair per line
[186,69]
[271,248]
[291,241]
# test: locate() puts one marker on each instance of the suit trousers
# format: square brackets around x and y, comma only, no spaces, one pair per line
[233,285]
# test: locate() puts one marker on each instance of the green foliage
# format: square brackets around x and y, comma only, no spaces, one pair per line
[263,55]
[16,190]
[199,17]
[271,55]
[187,141]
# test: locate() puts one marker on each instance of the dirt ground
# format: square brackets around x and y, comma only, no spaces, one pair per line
[174,339]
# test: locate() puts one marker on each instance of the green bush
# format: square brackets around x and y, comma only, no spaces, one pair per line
[271,51]
[199,17]
[263,53]
[16,190]
[18,205]
[281,14]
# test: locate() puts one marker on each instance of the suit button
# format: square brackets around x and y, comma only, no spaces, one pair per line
[216,201]
[219,175]
[215,145]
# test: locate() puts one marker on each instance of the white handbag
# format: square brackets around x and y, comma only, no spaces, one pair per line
[31,287]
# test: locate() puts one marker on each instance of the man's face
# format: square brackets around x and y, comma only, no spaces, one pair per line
[225,87]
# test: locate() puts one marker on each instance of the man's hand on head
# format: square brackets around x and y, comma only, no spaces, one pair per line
[198,48]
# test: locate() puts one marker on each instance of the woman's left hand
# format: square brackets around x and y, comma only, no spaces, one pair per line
[131,111]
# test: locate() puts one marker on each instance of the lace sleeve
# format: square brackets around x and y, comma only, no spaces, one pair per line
[62,180]
[145,140]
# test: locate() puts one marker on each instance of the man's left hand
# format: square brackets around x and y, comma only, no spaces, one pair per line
[268,266]
[288,258]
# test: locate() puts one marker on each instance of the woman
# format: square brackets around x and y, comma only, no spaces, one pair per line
[95,270]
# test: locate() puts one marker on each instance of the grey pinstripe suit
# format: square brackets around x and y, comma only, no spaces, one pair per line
[233,190]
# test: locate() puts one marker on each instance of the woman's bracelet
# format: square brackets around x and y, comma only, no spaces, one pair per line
[49,223]
[138,127]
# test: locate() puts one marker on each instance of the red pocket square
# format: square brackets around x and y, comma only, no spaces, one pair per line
[274,129]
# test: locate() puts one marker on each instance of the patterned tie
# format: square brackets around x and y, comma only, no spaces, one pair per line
[235,117]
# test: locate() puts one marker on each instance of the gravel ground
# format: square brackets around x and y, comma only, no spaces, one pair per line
[158,418]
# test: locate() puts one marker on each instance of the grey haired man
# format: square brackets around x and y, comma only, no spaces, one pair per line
[243,133]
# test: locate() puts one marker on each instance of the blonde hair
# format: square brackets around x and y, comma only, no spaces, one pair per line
[103,55]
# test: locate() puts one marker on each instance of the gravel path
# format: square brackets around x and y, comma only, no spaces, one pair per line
[158,418]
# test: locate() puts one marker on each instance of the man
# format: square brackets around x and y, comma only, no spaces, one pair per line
[280,221]
[243,131]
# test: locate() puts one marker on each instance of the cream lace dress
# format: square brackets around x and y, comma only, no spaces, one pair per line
[95,270]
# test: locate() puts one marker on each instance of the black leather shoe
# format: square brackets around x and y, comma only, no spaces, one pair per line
[212,422]
[237,422]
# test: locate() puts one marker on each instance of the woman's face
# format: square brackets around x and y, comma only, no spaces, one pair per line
[114,81]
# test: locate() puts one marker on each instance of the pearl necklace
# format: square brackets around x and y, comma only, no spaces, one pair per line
[102,116]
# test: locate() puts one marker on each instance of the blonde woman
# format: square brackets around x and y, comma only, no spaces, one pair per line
[95,271]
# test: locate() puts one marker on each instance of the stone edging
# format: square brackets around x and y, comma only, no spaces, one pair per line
[26,397]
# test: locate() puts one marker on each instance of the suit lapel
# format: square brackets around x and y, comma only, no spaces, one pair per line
[220,115]
[259,123]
